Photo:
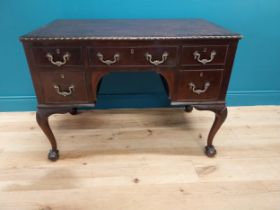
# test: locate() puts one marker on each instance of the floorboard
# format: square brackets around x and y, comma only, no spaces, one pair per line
[147,159]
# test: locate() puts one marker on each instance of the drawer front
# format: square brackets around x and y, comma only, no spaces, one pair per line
[204,55]
[64,87]
[199,85]
[57,57]
[109,56]
[156,56]
[133,56]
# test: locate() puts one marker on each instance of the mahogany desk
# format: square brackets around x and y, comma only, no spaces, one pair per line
[68,58]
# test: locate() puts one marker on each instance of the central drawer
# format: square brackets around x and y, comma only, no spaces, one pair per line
[64,87]
[133,56]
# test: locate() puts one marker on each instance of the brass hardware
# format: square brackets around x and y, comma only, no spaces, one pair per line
[65,57]
[198,91]
[149,58]
[132,51]
[201,74]
[108,62]
[64,93]
[62,76]
[204,61]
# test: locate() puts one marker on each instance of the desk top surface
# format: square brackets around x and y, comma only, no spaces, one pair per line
[119,29]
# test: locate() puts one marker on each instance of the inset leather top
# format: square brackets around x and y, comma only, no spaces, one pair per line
[104,29]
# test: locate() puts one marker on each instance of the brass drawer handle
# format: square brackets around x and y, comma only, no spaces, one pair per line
[64,93]
[204,61]
[149,58]
[108,62]
[65,57]
[198,91]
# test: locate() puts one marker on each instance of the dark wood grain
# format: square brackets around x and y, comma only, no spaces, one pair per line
[205,52]
[132,40]
[220,111]
[42,117]
[63,80]
[41,60]
[133,56]
[199,79]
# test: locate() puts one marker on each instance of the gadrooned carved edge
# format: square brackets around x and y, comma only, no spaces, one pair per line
[129,38]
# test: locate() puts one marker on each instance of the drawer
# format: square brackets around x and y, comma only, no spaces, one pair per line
[133,56]
[109,56]
[204,55]
[156,56]
[197,85]
[64,87]
[58,57]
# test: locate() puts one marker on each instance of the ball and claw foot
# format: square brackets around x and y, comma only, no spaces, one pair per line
[188,108]
[53,155]
[210,151]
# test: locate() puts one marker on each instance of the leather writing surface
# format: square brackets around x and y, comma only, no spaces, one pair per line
[130,28]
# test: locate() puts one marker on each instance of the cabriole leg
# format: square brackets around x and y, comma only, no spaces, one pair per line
[220,111]
[42,116]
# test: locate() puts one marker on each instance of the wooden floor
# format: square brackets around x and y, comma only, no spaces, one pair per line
[142,160]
